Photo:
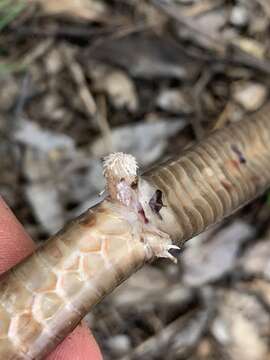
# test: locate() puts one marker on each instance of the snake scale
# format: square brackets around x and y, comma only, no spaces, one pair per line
[43,298]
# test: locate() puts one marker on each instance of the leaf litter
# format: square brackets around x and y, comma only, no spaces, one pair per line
[145,77]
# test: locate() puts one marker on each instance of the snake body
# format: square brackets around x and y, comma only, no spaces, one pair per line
[212,179]
[43,298]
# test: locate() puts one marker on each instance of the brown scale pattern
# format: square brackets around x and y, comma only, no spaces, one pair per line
[213,178]
[43,298]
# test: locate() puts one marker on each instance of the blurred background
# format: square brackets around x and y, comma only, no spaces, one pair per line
[82,78]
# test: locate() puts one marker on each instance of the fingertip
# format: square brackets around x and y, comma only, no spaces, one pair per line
[15,243]
[79,345]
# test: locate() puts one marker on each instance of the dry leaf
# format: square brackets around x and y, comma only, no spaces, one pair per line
[250,95]
[210,260]
[85,9]
[242,326]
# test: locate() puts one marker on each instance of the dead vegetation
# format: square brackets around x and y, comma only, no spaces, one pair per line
[82,78]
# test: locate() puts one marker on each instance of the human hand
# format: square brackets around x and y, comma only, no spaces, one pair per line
[15,245]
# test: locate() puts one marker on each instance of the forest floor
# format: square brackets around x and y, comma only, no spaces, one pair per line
[82,78]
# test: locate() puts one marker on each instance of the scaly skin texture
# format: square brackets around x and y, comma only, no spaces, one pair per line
[43,299]
[212,179]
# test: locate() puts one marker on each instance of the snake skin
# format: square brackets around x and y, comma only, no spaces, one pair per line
[212,179]
[43,298]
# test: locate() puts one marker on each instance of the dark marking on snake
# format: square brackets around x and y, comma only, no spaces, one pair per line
[239,154]
[156,203]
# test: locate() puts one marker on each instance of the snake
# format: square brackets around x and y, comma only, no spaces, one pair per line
[142,217]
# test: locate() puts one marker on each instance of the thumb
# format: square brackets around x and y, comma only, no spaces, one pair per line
[79,345]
